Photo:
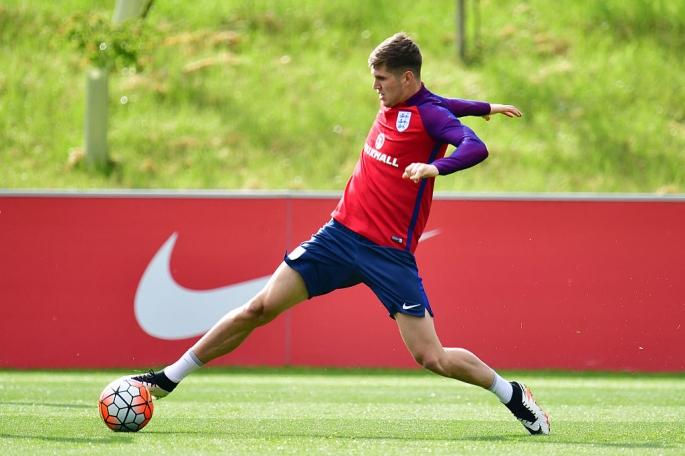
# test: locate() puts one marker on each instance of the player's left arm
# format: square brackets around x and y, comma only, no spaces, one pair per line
[445,128]
[418,171]
[470,151]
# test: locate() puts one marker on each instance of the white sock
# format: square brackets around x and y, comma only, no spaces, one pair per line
[501,388]
[183,367]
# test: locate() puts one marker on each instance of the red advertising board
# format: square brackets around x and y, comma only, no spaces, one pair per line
[93,280]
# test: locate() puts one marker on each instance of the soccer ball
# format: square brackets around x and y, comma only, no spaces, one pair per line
[125,405]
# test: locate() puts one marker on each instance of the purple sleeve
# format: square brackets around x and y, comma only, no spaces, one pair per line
[442,126]
[469,153]
[463,108]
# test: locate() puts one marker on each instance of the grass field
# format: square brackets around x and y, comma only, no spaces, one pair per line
[338,411]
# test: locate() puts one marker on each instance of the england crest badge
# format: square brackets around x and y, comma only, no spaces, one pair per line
[403,118]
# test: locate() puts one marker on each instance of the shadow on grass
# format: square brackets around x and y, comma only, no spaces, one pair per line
[428,433]
[552,440]
[510,439]
[38,404]
[104,440]
[124,438]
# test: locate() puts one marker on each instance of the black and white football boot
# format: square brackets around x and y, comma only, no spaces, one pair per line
[527,411]
[157,383]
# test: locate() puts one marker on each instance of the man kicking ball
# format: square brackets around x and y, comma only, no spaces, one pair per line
[374,232]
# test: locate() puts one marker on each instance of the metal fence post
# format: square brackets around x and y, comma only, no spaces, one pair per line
[126,9]
[461,30]
[95,136]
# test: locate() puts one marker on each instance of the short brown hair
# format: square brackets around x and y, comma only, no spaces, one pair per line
[399,54]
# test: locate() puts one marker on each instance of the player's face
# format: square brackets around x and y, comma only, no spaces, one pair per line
[391,88]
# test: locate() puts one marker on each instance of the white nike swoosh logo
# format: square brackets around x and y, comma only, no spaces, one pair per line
[429,234]
[406,307]
[166,310]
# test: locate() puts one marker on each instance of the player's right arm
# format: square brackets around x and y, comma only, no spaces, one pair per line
[463,108]
[507,110]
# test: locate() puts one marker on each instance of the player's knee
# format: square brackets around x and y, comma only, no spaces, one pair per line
[257,312]
[429,361]
[433,364]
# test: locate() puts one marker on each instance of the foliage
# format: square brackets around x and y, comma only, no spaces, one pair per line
[105,44]
[275,94]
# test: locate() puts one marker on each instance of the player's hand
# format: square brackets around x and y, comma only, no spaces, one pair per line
[418,171]
[507,110]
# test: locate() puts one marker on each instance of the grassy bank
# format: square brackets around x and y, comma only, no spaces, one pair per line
[276,94]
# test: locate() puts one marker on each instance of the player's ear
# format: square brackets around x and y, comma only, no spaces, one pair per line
[408,77]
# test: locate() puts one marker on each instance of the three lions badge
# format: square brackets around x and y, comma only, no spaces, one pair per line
[403,118]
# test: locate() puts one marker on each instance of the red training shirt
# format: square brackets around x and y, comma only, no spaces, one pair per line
[378,203]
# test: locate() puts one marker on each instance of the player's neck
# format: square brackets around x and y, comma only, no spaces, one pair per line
[411,90]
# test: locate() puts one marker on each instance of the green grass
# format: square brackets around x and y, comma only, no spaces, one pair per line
[346,411]
[285,98]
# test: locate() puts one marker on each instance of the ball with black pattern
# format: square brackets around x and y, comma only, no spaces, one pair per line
[125,405]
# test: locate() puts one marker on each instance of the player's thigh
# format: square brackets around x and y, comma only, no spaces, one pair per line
[284,289]
[419,335]
[393,276]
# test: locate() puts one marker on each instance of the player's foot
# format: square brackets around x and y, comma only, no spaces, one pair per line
[157,383]
[527,411]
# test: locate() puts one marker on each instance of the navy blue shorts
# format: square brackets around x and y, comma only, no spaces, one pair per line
[337,257]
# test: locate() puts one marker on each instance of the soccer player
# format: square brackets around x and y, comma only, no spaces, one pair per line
[374,232]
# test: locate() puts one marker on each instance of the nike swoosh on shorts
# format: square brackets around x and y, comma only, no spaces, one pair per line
[406,307]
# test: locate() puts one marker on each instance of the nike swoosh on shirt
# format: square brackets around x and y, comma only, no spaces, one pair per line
[166,310]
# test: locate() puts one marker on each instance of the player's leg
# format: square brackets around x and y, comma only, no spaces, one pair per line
[393,276]
[284,289]
[318,266]
[422,341]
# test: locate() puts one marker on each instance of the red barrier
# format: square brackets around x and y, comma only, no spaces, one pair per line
[104,280]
